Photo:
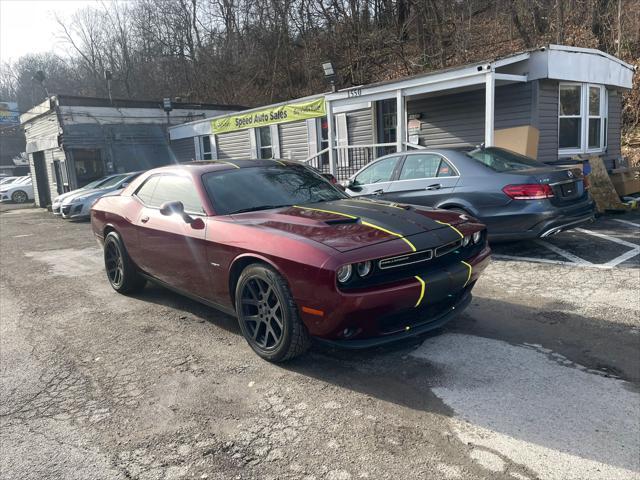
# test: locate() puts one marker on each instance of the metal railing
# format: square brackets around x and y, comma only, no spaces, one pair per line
[349,158]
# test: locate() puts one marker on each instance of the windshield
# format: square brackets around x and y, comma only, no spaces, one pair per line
[96,183]
[500,160]
[113,181]
[261,188]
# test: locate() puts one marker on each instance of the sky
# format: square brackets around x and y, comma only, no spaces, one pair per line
[29,26]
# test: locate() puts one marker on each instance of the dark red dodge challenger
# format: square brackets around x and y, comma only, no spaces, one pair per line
[293,257]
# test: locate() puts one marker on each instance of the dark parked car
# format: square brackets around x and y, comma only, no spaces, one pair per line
[515,196]
[288,253]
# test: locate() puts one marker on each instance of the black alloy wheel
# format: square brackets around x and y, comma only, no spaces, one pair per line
[121,271]
[268,315]
[114,264]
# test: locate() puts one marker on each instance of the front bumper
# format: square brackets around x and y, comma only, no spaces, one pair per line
[421,324]
[371,316]
[75,211]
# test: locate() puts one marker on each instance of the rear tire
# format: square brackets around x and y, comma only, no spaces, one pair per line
[268,315]
[121,272]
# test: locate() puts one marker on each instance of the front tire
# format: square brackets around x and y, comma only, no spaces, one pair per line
[121,272]
[268,315]
[19,196]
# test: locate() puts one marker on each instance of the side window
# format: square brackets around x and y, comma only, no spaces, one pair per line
[171,188]
[145,192]
[420,166]
[381,171]
[445,169]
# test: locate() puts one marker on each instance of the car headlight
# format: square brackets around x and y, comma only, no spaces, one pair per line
[344,273]
[79,199]
[364,268]
[465,240]
[477,236]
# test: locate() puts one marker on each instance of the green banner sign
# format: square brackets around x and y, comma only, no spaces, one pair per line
[268,116]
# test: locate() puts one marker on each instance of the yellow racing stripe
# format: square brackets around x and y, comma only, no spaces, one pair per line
[422,288]
[468,276]
[413,248]
[452,227]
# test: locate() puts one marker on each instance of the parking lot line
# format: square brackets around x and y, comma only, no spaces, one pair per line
[546,260]
[626,222]
[608,237]
[564,253]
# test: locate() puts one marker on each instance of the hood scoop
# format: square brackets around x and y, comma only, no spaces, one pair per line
[342,221]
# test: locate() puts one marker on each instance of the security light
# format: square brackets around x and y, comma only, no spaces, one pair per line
[329,71]
[329,74]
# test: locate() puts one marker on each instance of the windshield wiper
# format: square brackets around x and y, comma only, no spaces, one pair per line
[260,207]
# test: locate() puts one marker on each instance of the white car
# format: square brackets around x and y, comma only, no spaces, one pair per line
[7,180]
[20,191]
[79,206]
[57,202]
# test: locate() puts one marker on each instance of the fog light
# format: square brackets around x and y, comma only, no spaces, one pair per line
[344,273]
[477,236]
[466,240]
[364,268]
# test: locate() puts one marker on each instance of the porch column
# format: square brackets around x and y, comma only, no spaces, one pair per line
[401,121]
[489,110]
[330,138]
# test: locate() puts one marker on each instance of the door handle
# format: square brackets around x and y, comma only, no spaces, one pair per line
[144,219]
[435,186]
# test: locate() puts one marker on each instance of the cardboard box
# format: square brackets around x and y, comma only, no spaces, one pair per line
[626,180]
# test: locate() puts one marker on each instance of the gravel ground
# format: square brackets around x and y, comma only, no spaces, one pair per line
[539,378]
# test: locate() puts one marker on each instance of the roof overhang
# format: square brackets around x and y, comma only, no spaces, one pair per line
[586,65]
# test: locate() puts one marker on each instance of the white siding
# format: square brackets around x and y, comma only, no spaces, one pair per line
[294,140]
[234,145]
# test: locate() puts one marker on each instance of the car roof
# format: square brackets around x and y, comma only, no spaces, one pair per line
[205,166]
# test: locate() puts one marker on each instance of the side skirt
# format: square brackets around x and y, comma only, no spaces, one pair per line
[208,303]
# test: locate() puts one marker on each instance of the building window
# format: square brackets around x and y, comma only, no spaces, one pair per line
[582,118]
[264,143]
[205,148]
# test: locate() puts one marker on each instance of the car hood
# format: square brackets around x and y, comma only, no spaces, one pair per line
[354,223]
[88,194]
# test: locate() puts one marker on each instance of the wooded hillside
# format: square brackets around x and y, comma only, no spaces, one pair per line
[253,52]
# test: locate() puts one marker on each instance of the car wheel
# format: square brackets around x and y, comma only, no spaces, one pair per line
[19,196]
[121,272]
[268,316]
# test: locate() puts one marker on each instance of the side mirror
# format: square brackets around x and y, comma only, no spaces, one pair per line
[353,184]
[169,208]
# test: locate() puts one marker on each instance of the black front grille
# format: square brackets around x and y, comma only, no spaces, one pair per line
[402,260]
[66,209]
[448,248]
[408,269]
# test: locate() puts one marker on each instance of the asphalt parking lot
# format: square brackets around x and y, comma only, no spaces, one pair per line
[538,379]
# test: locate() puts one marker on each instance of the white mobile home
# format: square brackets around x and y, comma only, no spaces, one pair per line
[551,103]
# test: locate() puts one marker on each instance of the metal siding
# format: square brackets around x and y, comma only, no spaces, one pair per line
[547,120]
[184,149]
[234,145]
[360,127]
[457,120]
[450,121]
[513,105]
[294,140]
[43,128]
[614,126]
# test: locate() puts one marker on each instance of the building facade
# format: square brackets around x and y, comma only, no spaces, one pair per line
[552,103]
[71,141]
